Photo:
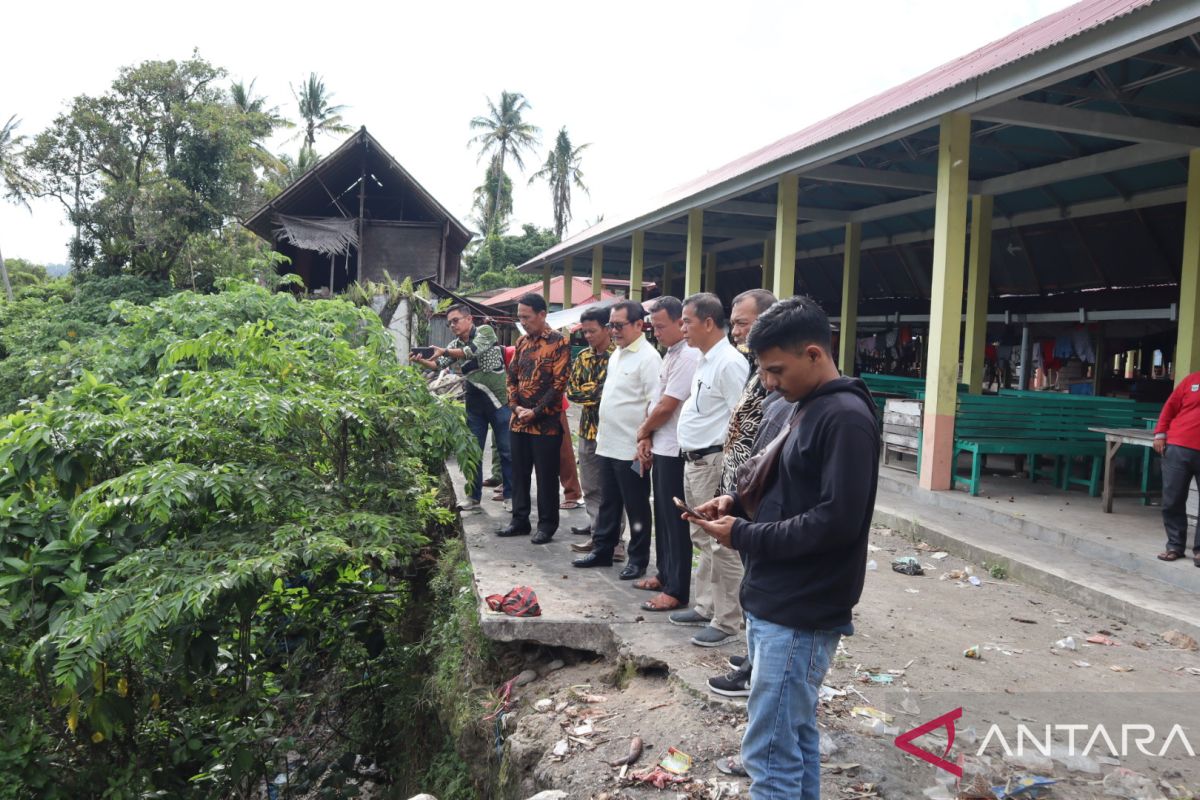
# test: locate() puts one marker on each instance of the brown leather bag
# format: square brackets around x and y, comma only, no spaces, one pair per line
[754,478]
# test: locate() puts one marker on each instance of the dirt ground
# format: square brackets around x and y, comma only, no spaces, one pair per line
[907,660]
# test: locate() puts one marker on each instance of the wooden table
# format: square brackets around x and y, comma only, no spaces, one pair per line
[1113,439]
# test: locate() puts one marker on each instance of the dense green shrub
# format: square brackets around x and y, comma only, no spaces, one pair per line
[225,501]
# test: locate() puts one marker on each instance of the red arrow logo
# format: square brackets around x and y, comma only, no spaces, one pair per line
[904,742]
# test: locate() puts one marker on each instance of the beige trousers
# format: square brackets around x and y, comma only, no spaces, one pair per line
[719,570]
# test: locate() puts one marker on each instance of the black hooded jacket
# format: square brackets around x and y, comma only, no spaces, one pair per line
[806,550]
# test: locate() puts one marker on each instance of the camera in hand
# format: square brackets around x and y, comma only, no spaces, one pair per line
[423,352]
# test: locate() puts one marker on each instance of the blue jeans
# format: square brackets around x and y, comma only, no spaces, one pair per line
[781,748]
[480,415]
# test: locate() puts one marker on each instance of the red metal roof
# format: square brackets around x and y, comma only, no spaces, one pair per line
[1033,38]
[581,294]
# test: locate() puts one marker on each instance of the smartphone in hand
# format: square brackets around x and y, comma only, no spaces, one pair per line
[684,507]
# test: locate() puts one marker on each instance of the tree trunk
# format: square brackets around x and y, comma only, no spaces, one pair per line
[4,277]
[496,208]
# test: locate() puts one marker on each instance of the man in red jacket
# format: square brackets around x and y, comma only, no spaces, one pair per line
[1177,440]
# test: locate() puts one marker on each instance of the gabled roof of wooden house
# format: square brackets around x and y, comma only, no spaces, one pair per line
[330,190]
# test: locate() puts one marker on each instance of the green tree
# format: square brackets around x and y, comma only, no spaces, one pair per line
[317,112]
[159,157]
[14,184]
[503,134]
[495,189]
[494,264]
[254,107]
[562,171]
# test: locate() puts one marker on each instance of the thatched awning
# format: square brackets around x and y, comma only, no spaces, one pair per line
[326,235]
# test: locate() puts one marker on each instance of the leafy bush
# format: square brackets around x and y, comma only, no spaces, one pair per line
[227,500]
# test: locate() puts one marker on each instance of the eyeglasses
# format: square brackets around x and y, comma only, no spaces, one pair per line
[616,326]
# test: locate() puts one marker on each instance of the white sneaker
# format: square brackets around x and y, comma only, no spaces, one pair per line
[468,505]
[508,506]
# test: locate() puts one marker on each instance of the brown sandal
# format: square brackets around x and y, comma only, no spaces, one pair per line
[1170,555]
[661,602]
[648,585]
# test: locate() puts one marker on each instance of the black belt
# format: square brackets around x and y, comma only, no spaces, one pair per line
[696,455]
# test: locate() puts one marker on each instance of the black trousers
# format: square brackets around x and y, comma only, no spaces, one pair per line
[621,487]
[537,454]
[672,540]
[1180,467]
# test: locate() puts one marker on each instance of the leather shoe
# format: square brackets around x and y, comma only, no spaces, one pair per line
[512,530]
[632,572]
[541,537]
[586,530]
[592,560]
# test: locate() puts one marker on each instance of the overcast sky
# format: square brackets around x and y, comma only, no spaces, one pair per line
[663,91]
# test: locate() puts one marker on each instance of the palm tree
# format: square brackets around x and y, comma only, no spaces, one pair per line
[245,101]
[317,111]
[496,188]
[503,134]
[560,171]
[14,184]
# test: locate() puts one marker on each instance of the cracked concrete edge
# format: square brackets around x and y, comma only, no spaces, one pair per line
[914,528]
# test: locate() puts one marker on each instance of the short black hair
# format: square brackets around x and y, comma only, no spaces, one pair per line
[672,305]
[534,301]
[459,308]
[792,324]
[707,306]
[634,311]
[596,312]
[763,299]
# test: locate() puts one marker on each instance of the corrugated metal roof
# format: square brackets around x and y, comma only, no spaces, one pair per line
[581,292]
[1036,37]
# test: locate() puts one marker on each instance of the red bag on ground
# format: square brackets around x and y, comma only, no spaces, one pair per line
[521,601]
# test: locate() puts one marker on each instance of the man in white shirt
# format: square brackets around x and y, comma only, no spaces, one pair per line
[716,388]
[632,377]
[657,444]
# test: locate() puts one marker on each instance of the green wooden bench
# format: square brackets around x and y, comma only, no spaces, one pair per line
[898,386]
[1035,427]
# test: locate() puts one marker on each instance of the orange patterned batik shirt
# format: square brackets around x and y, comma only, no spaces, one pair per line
[537,377]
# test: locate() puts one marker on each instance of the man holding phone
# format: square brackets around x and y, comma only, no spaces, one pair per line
[624,482]
[476,355]
[805,547]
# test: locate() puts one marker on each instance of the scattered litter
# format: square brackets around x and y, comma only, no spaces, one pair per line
[555,665]
[939,555]
[1066,644]
[886,680]
[585,729]
[1022,786]
[975,787]
[873,549]
[871,713]
[828,693]
[543,705]
[973,652]
[658,777]
[561,706]
[913,591]
[838,769]
[1192,671]
[1075,762]
[526,677]
[1081,664]
[1120,668]
[1180,640]
[974,581]
[635,752]
[1024,621]
[828,745]
[909,706]
[549,794]
[1104,640]
[1123,782]
[676,761]
[907,566]
[872,566]
[561,747]
[521,601]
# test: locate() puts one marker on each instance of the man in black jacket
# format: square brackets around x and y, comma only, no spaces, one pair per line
[805,549]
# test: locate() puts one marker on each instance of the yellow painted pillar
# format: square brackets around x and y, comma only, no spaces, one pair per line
[710,272]
[695,252]
[568,281]
[1187,348]
[768,264]
[784,280]
[636,259]
[597,271]
[665,287]
[945,308]
[546,273]
[979,267]
[848,335]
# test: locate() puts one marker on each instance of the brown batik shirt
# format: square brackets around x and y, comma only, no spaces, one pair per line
[537,377]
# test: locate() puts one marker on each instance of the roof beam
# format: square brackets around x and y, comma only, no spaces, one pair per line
[767,211]
[888,179]
[1089,123]
[679,229]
